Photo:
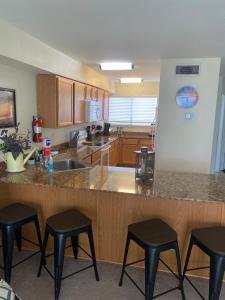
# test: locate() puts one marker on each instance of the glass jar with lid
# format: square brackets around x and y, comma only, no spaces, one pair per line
[145,164]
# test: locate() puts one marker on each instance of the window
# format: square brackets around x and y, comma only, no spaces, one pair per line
[132,111]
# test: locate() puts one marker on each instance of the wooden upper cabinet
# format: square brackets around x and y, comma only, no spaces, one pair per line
[95,94]
[79,102]
[101,95]
[106,107]
[55,100]
[65,101]
[88,92]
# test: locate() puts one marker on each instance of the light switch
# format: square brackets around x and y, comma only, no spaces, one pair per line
[188,116]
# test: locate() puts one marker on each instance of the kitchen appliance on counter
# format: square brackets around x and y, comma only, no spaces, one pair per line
[93,111]
[106,131]
[89,134]
[98,130]
[145,164]
[74,136]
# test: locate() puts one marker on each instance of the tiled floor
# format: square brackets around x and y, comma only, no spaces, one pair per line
[84,287]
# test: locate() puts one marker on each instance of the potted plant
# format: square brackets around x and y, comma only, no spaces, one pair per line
[13,146]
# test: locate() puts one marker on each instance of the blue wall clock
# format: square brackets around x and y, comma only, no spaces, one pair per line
[186,97]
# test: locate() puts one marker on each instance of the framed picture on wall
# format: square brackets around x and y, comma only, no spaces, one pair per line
[7,108]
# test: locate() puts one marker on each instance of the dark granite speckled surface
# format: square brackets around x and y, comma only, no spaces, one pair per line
[186,186]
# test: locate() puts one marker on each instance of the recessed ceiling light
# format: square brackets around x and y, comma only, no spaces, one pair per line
[131,80]
[114,66]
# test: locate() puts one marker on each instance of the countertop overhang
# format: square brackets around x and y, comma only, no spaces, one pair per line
[168,185]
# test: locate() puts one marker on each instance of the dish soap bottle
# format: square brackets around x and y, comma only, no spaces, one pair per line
[51,165]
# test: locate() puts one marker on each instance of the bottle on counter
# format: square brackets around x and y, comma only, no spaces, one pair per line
[51,165]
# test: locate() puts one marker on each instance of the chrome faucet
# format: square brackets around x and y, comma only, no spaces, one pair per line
[74,136]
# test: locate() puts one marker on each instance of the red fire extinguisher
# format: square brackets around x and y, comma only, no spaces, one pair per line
[37,128]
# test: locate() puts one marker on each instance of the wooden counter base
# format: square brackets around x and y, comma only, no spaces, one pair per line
[111,214]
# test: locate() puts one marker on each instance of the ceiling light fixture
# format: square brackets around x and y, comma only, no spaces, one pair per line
[131,80]
[115,66]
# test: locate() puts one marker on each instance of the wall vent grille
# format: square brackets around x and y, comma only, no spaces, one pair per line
[187,70]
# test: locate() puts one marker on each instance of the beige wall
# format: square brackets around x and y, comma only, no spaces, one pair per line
[23,81]
[22,57]
[22,47]
[136,89]
[183,145]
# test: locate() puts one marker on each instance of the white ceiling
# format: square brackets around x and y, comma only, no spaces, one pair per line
[140,31]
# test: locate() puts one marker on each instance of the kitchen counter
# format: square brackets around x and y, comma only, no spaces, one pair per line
[112,199]
[169,185]
[84,151]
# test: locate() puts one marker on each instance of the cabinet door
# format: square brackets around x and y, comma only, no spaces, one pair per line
[101,95]
[65,101]
[94,94]
[79,103]
[146,142]
[88,92]
[106,107]
[128,155]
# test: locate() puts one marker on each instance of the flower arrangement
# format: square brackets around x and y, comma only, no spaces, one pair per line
[14,142]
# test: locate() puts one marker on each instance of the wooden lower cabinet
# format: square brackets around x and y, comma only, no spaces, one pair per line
[122,152]
[128,146]
[128,155]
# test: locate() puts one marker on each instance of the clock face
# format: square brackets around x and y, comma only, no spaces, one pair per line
[186,97]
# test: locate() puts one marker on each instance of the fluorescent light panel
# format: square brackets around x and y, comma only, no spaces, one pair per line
[115,66]
[131,80]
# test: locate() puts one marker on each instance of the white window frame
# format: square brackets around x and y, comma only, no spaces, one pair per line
[134,125]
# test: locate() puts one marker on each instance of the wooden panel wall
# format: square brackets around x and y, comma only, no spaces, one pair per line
[113,212]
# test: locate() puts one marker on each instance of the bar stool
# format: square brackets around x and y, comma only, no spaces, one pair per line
[12,218]
[66,224]
[155,236]
[212,242]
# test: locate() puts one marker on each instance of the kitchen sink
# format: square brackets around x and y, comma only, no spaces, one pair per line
[69,165]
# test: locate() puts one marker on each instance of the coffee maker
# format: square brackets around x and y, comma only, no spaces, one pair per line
[106,129]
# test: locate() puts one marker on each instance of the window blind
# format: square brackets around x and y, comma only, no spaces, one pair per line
[132,111]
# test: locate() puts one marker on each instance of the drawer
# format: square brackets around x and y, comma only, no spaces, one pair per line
[127,141]
[146,142]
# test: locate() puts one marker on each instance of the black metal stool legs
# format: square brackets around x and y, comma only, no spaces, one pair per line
[217,267]
[125,259]
[59,250]
[8,242]
[37,227]
[92,248]
[188,256]
[151,266]
[179,271]
[42,261]
[74,240]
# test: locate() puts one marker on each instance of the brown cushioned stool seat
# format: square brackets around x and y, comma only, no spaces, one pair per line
[16,212]
[211,241]
[69,223]
[12,218]
[154,236]
[153,232]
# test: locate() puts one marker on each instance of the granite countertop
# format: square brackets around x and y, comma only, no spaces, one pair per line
[84,151]
[169,185]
